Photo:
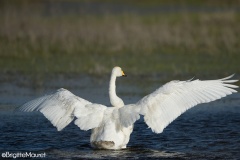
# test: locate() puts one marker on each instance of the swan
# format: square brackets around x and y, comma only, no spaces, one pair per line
[112,126]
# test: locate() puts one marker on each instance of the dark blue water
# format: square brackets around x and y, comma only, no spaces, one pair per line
[209,131]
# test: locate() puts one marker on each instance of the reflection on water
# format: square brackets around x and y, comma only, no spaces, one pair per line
[210,131]
[130,153]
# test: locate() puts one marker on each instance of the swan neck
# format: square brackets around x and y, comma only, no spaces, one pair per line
[112,87]
[114,99]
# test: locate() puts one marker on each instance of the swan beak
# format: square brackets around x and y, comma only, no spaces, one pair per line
[123,74]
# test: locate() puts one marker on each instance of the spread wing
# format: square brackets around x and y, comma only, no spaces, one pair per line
[89,116]
[61,107]
[128,115]
[168,102]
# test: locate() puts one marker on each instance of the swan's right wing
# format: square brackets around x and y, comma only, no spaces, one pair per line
[61,107]
[128,114]
[168,102]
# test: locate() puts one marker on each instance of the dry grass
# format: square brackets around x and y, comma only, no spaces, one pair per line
[211,33]
[28,34]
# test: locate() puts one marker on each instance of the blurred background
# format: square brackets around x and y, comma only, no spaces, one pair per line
[157,37]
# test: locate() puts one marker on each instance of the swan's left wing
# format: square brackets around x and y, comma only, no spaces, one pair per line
[168,102]
[62,106]
[89,116]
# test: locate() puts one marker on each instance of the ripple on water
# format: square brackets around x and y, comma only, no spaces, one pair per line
[210,131]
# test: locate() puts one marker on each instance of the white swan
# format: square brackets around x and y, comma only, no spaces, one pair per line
[112,126]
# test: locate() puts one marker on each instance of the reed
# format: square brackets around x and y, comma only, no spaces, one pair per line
[33,41]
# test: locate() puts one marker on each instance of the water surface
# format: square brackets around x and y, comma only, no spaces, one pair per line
[209,131]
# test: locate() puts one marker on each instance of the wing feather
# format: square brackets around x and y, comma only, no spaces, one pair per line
[168,102]
[89,116]
[127,115]
[61,107]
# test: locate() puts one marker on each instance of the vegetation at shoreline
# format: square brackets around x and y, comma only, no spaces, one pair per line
[43,38]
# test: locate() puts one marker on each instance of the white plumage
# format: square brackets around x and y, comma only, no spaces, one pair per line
[112,126]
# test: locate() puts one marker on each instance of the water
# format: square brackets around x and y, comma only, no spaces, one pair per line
[209,131]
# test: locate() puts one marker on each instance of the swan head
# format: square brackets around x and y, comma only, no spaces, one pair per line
[118,72]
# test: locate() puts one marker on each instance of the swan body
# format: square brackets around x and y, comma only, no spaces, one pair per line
[112,126]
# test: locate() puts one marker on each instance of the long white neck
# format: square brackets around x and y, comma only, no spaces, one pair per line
[114,99]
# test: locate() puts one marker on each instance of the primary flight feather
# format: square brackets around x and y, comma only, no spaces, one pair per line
[111,126]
